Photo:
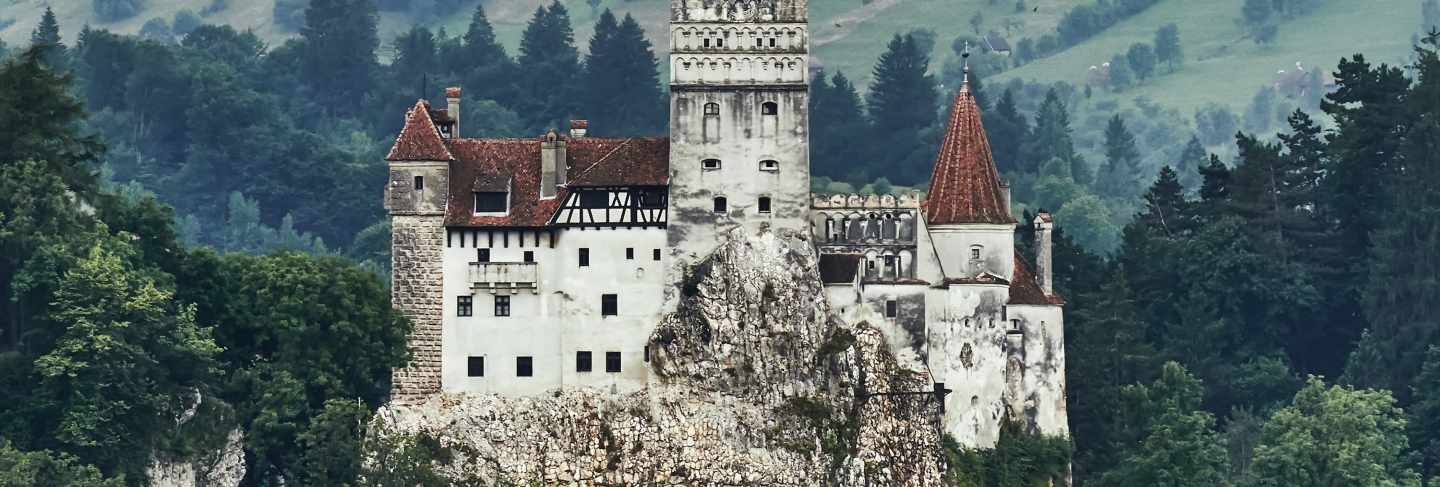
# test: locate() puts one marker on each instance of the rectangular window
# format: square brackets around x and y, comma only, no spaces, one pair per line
[419,183]
[764,204]
[630,253]
[594,199]
[482,255]
[707,42]
[524,366]
[464,306]
[975,253]
[584,257]
[609,304]
[612,362]
[710,164]
[647,353]
[770,165]
[582,361]
[891,308]
[772,42]
[475,367]
[529,256]
[502,305]
[656,255]
[491,201]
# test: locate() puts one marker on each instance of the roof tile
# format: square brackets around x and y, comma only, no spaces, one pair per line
[965,187]
[419,140]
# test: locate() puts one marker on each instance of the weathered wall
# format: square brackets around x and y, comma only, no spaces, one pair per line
[997,249]
[416,290]
[755,384]
[967,352]
[1042,399]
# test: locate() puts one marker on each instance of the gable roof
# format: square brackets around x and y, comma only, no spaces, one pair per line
[1025,289]
[420,139]
[965,187]
[489,164]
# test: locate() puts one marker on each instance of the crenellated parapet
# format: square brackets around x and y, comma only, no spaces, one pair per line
[738,10]
[821,201]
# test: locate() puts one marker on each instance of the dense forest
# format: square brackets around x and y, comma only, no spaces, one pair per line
[190,228]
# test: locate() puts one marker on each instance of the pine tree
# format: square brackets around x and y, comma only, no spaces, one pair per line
[1050,139]
[340,43]
[487,71]
[837,122]
[416,60]
[549,69]
[1192,158]
[1007,129]
[47,34]
[39,116]
[902,105]
[1167,46]
[1214,189]
[622,82]
[1121,174]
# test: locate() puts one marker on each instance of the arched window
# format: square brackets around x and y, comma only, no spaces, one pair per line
[770,165]
[769,108]
[764,204]
[721,206]
[710,164]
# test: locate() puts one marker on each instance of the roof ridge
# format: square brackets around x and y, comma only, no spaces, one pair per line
[419,139]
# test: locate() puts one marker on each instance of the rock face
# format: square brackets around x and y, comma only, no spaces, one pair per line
[756,384]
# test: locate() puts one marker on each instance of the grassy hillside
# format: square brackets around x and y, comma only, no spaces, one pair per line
[1222,65]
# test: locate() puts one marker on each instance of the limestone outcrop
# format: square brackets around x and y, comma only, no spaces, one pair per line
[754,383]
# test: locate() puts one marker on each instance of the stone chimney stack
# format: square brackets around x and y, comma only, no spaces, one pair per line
[1044,264]
[578,128]
[1005,193]
[452,96]
[552,163]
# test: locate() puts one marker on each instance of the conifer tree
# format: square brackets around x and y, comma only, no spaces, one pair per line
[622,82]
[416,59]
[39,114]
[1192,158]
[340,41]
[1121,76]
[47,34]
[549,69]
[1050,139]
[487,71]
[902,104]
[1007,129]
[1121,174]
[1167,46]
[837,121]
[1214,188]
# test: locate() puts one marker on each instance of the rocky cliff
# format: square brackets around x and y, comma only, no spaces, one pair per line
[755,383]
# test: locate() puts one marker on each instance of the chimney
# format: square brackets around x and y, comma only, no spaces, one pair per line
[1044,266]
[552,163]
[452,96]
[1005,193]
[578,128]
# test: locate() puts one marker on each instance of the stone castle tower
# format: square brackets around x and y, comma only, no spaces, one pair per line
[739,120]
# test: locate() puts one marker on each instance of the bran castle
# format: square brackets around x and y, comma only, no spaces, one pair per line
[528,265]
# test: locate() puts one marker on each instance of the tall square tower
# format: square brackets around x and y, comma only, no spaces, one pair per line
[739,120]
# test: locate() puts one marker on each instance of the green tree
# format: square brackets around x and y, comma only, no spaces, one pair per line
[1424,412]
[340,41]
[46,469]
[901,105]
[1192,158]
[1178,445]
[47,36]
[549,69]
[1051,139]
[622,80]
[1261,111]
[332,443]
[128,356]
[487,70]
[40,116]
[1334,436]
[1141,58]
[1122,77]
[837,120]
[1168,49]
[1007,129]
[1120,177]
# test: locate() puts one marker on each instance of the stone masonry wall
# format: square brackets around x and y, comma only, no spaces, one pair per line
[415,287]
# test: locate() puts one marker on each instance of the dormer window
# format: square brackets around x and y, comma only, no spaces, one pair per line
[492,202]
[770,165]
[710,164]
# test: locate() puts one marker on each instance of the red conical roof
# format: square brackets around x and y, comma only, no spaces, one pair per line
[419,140]
[965,187]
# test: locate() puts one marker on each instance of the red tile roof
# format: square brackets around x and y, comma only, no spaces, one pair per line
[490,164]
[419,140]
[1024,289]
[965,187]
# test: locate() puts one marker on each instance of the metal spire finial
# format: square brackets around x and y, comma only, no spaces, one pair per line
[966,56]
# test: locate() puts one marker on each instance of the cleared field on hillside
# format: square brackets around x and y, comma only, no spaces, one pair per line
[1222,65]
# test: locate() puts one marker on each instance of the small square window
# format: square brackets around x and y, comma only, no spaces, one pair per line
[582,362]
[609,304]
[464,306]
[712,108]
[710,164]
[707,42]
[764,204]
[612,362]
[491,201]
[524,366]
[772,42]
[891,308]
[721,206]
[529,256]
[475,367]
[656,255]
[584,257]
[419,183]
[630,253]
[720,42]
[769,107]
[502,305]
[482,255]
[975,253]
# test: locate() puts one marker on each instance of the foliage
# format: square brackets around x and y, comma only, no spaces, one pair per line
[549,69]
[1168,49]
[1142,59]
[1019,459]
[47,469]
[623,97]
[117,10]
[1177,443]
[901,106]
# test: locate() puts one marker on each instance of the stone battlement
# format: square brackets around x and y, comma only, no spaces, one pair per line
[856,200]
